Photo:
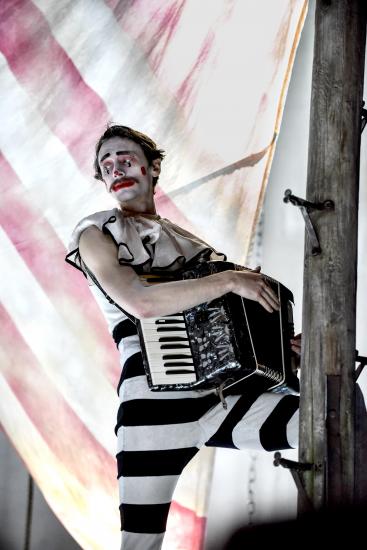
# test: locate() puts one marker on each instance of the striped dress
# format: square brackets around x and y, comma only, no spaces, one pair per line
[158,433]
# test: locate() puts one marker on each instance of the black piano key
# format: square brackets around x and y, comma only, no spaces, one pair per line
[173,339]
[180,371]
[174,346]
[171,329]
[177,364]
[175,356]
[169,321]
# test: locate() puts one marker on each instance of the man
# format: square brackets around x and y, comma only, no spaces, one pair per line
[159,432]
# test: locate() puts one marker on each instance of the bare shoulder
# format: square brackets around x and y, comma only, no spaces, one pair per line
[96,248]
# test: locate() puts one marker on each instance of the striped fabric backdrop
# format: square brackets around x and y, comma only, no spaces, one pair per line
[207,81]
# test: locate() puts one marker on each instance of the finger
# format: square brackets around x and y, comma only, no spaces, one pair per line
[296,342]
[296,349]
[274,304]
[268,289]
[271,302]
[262,301]
[270,295]
[295,345]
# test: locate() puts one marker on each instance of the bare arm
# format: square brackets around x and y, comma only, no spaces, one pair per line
[121,283]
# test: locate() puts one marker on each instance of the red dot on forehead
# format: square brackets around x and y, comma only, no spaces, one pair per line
[143,171]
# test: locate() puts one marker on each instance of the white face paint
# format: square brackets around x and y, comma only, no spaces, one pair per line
[127,174]
[125,170]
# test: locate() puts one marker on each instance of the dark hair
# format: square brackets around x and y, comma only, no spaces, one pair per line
[149,147]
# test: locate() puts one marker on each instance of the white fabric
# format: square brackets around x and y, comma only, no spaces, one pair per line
[141,541]
[152,437]
[147,489]
[111,312]
[246,433]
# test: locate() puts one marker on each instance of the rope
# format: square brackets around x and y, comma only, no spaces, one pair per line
[28,524]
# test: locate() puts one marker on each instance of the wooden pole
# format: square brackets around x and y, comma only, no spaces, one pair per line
[327,425]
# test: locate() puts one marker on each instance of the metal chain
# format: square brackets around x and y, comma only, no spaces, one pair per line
[250,492]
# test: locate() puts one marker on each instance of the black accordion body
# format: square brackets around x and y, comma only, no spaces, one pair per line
[220,344]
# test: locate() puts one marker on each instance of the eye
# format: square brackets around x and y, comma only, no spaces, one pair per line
[126,162]
[106,170]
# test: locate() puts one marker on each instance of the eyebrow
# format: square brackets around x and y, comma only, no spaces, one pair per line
[117,153]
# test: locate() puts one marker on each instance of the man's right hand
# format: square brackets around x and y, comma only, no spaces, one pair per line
[253,286]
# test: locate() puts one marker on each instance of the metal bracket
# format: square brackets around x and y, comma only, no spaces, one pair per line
[295,468]
[364,117]
[291,464]
[362,363]
[306,207]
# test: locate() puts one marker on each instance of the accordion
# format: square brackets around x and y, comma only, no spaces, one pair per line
[222,343]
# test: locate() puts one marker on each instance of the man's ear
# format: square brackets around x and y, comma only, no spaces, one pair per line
[155,168]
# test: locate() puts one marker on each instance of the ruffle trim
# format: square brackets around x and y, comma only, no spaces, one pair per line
[145,242]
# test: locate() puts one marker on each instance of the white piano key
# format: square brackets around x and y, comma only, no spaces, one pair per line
[152,321]
[159,378]
[161,357]
[167,370]
[156,347]
[167,326]
[153,335]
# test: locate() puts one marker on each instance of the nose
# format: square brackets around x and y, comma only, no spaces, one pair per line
[118,172]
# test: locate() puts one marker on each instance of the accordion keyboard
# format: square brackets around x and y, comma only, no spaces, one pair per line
[168,350]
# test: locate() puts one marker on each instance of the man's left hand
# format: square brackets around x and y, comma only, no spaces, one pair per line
[296,344]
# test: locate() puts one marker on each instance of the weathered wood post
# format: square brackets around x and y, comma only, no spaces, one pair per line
[327,426]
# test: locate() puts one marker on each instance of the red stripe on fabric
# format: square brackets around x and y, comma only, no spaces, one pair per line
[153,28]
[152,25]
[74,446]
[185,92]
[51,79]
[43,252]
[166,18]
[185,528]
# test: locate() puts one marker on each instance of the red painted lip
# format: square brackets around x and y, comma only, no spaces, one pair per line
[122,184]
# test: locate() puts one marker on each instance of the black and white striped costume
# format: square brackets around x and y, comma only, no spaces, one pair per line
[159,432]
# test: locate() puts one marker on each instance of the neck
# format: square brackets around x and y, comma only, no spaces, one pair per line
[146,206]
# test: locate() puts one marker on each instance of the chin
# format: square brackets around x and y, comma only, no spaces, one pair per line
[125,194]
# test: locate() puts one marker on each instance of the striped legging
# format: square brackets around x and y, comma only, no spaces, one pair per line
[158,433]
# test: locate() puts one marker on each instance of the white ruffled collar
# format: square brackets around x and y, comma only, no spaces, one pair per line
[146,242]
